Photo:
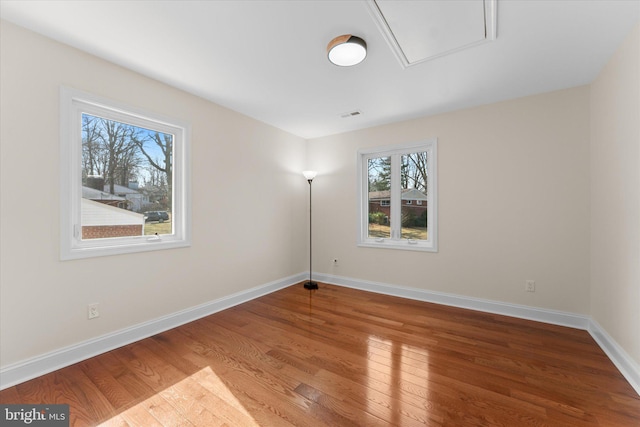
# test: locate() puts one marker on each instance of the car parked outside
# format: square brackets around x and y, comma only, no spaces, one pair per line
[159,216]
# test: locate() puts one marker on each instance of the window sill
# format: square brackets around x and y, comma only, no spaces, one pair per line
[143,246]
[398,244]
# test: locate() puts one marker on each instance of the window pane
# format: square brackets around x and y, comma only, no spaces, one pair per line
[379,197]
[127,180]
[413,181]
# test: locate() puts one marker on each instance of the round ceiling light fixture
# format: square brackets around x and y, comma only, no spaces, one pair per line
[347,50]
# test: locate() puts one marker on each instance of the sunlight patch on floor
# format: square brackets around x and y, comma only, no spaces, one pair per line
[201,399]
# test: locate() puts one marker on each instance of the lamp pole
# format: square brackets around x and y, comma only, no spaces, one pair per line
[311,285]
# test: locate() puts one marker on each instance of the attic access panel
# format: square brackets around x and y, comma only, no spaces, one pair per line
[418,31]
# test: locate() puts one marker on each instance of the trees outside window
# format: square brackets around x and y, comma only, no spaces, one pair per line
[116,154]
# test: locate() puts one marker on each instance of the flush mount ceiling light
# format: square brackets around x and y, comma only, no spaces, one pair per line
[346,50]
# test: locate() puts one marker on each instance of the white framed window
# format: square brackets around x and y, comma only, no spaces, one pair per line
[398,173]
[385,202]
[124,178]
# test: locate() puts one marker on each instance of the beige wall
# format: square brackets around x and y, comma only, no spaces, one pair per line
[513,203]
[236,162]
[615,196]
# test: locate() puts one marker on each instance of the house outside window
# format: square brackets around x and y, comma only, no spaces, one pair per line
[118,164]
[397,201]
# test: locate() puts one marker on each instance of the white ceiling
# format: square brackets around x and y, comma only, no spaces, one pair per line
[267,59]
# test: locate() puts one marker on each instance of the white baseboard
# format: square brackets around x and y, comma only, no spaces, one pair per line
[25,370]
[628,367]
[489,306]
[625,364]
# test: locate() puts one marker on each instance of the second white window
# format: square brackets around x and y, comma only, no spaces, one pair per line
[397,200]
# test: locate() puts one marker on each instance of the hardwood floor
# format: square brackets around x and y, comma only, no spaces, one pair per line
[342,357]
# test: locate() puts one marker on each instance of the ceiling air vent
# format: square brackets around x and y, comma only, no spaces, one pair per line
[351,114]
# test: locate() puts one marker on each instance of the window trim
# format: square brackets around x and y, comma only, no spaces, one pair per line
[394,151]
[72,104]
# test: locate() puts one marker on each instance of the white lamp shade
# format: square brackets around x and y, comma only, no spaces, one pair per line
[309,174]
[347,50]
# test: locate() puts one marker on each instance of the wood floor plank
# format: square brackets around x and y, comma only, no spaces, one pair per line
[117,421]
[162,412]
[344,357]
[253,409]
[117,395]
[57,388]
[91,398]
[10,396]
[138,415]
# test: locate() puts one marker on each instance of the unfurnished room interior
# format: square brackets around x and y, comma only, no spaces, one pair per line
[320,213]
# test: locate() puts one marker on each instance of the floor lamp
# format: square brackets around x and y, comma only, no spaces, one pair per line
[310,284]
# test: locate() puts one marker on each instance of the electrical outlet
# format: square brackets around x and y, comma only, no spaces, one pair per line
[92,311]
[530,286]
